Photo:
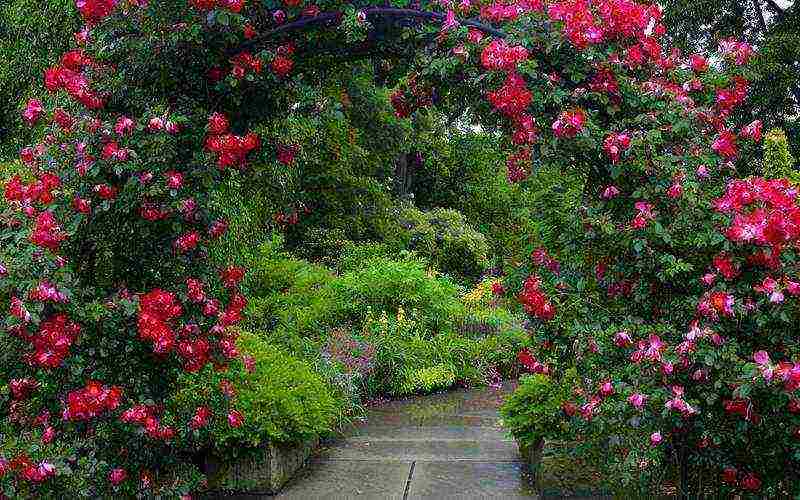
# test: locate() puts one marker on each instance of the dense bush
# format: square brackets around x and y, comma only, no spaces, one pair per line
[284,400]
[678,313]
[534,411]
[445,238]
[375,339]
[778,161]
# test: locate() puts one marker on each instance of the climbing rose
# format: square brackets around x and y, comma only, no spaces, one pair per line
[725,144]
[498,55]
[512,98]
[235,419]
[751,482]
[610,192]
[117,476]
[90,402]
[200,418]
[33,111]
[94,11]
[231,276]
[698,63]
[156,310]
[615,144]
[656,438]
[569,123]
[753,131]
[217,124]
[174,179]
[739,52]
[534,301]
[637,400]
[729,475]
[281,66]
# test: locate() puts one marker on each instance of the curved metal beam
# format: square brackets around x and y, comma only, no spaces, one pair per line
[325,17]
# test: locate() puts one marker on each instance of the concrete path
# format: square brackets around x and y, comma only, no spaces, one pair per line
[441,446]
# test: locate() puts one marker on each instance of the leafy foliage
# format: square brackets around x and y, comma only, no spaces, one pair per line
[534,410]
[284,400]
[32,35]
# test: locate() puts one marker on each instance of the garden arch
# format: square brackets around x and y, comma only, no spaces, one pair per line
[112,295]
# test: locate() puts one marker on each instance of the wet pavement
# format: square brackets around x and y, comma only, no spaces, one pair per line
[447,445]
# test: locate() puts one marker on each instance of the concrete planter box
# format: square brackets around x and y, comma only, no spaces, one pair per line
[262,474]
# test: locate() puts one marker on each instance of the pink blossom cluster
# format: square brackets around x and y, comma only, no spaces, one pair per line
[156,310]
[535,301]
[615,144]
[738,51]
[765,212]
[615,19]
[91,401]
[39,190]
[569,123]
[26,470]
[499,55]
[231,150]
[512,98]
[234,6]
[244,63]
[531,364]
[69,76]
[146,417]
[53,341]
[503,10]
[94,11]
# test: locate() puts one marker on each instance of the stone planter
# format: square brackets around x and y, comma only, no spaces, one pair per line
[262,474]
[532,456]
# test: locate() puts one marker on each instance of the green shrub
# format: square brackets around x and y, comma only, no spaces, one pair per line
[445,238]
[387,285]
[353,254]
[249,238]
[405,351]
[427,380]
[289,291]
[778,161]
[534,410]
[283,399]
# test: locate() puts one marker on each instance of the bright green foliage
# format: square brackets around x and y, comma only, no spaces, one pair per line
[283,399]
[778,161]
[33,34]
[534,410]
[405,350]
[413,319]
[299,298]
[446,239]
[385,284]
[428,380]
[354,254]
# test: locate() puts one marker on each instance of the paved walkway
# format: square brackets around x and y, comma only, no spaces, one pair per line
[442,446]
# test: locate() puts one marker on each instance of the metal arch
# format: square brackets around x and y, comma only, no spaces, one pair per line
[374,12]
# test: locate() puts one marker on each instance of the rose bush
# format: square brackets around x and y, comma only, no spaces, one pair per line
[687,262]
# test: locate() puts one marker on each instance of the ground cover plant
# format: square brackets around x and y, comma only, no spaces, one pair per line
[675,309]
